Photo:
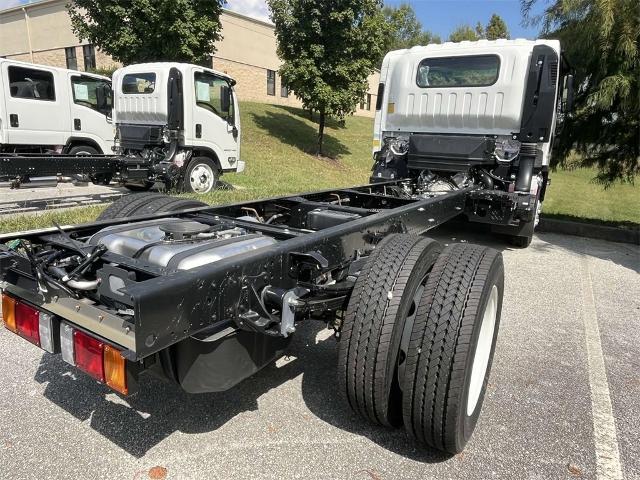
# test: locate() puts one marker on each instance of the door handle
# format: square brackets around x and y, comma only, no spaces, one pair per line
[77,125]
[198,130]
[13,120]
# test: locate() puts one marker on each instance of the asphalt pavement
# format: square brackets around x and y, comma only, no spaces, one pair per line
[28,200]
[563,399]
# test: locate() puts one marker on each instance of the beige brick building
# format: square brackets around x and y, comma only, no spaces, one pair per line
[40,32]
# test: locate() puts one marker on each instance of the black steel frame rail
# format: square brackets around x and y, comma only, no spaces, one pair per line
[171,306]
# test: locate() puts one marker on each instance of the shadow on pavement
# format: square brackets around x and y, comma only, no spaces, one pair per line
[140,422]
[624,254]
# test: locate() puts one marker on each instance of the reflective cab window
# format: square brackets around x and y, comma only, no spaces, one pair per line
[85,92]
[31,83]
[214,94]
[136,83]
[469,71]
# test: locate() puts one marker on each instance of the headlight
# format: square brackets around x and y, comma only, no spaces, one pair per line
[397,145]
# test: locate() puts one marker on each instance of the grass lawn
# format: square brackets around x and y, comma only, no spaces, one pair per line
[277,143]
[572,194]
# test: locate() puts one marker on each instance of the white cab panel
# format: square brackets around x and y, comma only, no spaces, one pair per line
[494,109]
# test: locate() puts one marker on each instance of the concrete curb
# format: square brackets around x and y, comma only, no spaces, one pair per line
[590,230]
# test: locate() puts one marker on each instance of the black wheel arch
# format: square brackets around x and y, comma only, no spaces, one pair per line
[206,152]
[78,141]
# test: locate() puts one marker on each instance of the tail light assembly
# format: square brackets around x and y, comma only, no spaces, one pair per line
[103,362]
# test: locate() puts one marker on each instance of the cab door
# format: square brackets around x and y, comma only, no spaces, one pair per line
[214,118]
[37,110]
[90,119]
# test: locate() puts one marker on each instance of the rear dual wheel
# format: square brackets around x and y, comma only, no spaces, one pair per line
[419,335]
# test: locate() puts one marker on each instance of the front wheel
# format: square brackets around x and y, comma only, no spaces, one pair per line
[201,175]
[451,347]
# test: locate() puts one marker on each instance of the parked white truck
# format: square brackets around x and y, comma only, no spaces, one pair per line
[474,113]
[182,118]
[47,109]
[175,124]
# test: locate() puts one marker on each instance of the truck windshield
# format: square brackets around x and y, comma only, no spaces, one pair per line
[463,71]
[84,91]
[214,94]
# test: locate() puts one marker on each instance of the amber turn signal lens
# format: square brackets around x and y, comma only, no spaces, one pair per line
[9,312]
[115,370]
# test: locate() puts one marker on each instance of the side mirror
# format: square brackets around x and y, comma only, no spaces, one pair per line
[569,100]
[103,97]
[225,98]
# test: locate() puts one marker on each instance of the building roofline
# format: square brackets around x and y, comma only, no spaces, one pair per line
[247,17]
[27,5]
[37,3]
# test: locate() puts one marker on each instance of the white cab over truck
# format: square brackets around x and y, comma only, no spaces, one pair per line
[182,119]
[175,124]
[48,109]
[474,113]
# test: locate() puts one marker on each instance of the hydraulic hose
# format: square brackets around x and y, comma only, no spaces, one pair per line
[77,284]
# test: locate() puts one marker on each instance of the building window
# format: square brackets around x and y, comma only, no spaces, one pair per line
[207,62]
[362,104]
[72,61]
[368,101]
[271,82]
[89,54]
[284,91]
[31,83]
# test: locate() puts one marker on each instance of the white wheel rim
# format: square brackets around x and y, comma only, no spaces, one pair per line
[483,351]
[201,178]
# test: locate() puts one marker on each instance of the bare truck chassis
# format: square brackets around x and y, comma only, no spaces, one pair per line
[417,322]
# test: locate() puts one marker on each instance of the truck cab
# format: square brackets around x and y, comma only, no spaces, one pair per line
[182,118]
[49,109]
[474,113]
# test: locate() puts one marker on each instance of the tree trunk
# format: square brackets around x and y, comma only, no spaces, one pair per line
[320,131]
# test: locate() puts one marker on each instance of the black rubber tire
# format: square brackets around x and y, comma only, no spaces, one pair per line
[443,345]
[83,149]
[149,203]
[186,182]
[168,204]
[374,323]
[126,205]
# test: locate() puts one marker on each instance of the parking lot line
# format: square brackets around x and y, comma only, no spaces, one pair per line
[604,426]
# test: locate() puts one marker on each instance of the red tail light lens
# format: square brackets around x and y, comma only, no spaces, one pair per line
[28,322]
[88,354]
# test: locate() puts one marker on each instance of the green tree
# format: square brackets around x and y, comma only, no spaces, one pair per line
[149,30]
[496,28]
[466,32]
[328,51]
[406,29]
[600,39]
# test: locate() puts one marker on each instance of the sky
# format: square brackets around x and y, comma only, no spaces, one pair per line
[439,16]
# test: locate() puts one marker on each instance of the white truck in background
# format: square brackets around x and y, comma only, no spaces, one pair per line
[47,109]
[480,114]
[174,124]
[178,122]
